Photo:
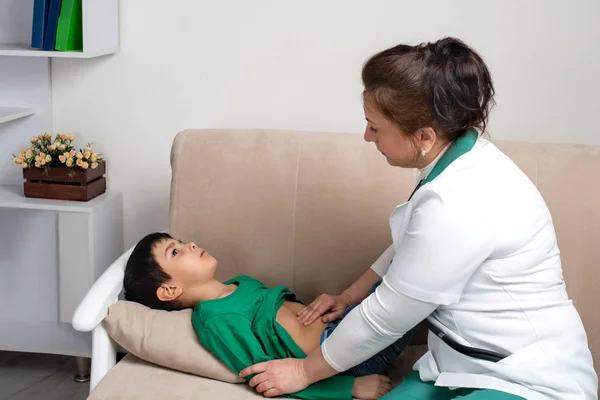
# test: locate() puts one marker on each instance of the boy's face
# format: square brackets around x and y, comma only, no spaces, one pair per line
[189,266]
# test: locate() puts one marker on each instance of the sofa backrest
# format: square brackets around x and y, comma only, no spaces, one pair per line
[310,210]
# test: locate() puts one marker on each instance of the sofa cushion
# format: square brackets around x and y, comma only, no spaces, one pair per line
[164,338]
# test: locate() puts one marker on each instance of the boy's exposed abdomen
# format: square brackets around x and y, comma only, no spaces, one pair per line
[307,337]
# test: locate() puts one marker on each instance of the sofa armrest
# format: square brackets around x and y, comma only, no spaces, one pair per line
[105,291]
[92,310]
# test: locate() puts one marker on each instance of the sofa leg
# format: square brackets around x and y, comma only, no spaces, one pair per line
[83,369]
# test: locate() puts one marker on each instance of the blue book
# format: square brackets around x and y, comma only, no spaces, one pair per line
[51,24]
[40,14]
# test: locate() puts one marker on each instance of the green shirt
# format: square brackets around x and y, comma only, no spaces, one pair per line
[241,330]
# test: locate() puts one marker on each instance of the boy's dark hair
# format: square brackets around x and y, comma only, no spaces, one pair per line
[143,275]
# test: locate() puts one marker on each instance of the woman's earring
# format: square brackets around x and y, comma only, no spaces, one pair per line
[423,153]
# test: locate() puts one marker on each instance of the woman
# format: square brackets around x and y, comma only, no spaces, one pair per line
[474,252]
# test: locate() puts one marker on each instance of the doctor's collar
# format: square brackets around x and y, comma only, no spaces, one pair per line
[425,171]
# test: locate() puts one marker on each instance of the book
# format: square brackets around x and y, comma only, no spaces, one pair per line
[40,14]
[69,35]
[51,23]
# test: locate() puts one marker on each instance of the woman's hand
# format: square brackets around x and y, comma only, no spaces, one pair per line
[329,307]
[371,387]
[278,377]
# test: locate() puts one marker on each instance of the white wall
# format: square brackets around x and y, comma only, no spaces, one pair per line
[296,65]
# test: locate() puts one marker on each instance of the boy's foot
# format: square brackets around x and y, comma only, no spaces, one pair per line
[371,387]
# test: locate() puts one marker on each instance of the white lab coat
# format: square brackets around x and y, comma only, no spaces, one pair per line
[497,279]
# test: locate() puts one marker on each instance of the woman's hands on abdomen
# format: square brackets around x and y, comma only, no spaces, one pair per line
[327,306]
[331,307]
[307,337]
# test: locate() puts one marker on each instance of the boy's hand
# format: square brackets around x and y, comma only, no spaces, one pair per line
[330,307]
[371,387]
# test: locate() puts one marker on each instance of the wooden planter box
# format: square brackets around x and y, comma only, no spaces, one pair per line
[56,183]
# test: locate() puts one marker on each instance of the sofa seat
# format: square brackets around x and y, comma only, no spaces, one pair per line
[137,379]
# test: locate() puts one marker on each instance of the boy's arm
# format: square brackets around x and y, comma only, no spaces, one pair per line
[230,339]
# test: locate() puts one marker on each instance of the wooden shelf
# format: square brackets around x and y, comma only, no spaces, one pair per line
[11,196]
[22,50]
[12,113]
[44,337]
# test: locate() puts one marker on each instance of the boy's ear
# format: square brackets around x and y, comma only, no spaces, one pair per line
[167,292]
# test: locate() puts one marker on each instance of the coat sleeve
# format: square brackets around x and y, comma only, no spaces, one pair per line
[443,245]
[230,339]
[382,264]
[381,319]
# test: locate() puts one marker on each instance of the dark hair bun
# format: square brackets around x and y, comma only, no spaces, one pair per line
[458,87]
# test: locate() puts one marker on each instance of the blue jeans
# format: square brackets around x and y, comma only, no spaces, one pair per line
[381,361]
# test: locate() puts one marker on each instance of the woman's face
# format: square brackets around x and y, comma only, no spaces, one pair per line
[398,147]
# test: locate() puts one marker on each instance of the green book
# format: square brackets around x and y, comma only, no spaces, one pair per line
[69,34]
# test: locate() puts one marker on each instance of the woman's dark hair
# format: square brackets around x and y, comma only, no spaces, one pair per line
[444,85]
[143,275]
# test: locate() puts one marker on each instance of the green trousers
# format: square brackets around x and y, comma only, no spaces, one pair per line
[413,388]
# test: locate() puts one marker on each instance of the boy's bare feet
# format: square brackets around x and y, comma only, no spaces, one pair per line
[371,387]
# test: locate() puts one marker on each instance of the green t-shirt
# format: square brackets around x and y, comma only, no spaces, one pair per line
[241,330]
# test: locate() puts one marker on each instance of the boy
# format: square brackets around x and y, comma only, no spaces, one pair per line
[240,320]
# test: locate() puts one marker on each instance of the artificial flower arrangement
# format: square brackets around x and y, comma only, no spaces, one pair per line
[45,153]
[54,169]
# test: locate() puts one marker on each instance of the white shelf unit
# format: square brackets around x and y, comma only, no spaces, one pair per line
[51,251]
[100,28]
[44,337]
[45,280]
[22,50]
[11,196]
[12,113]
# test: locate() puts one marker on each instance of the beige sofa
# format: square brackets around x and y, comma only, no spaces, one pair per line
[310,210]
